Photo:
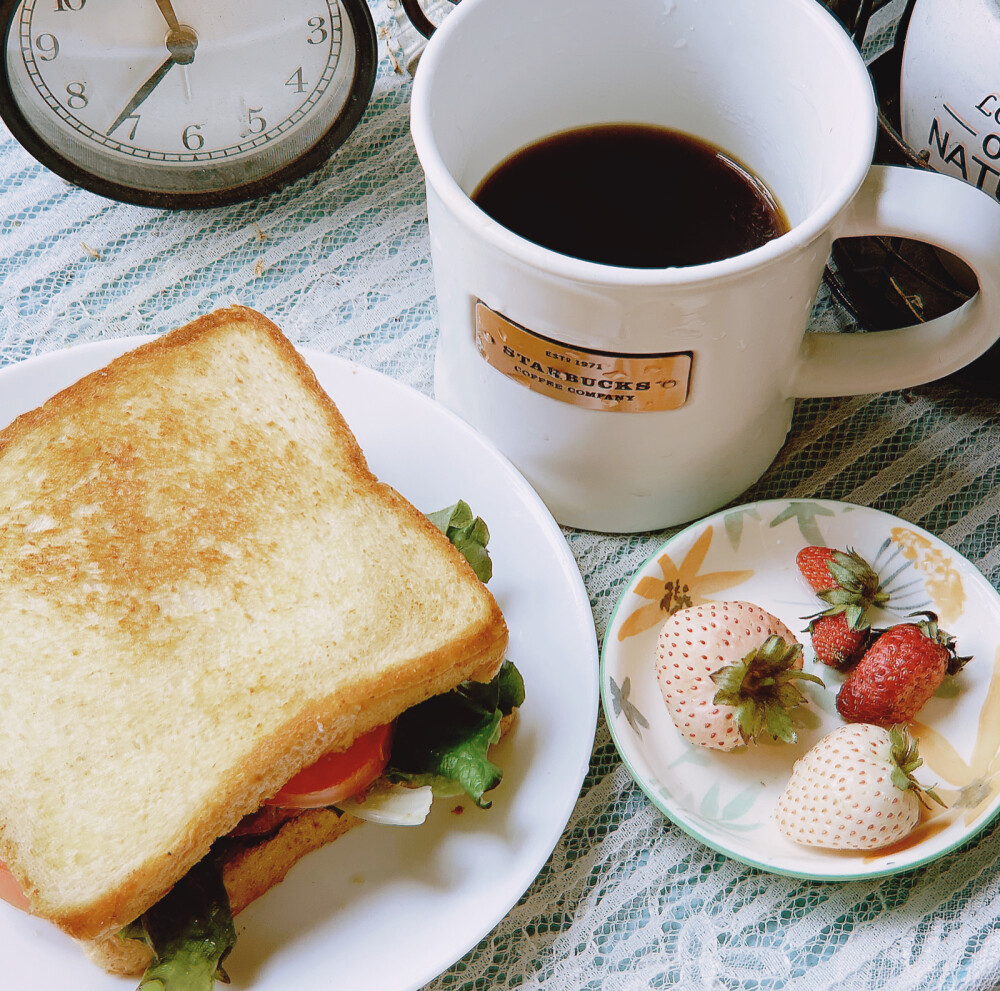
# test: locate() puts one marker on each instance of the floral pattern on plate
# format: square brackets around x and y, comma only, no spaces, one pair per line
[727,800]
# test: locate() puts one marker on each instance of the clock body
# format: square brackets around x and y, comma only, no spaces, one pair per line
[184,103]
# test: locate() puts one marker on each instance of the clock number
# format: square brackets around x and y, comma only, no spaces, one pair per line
[317,26]
[254,119]
[76,95]
[191,138]
[47,47]
[135,118]
[63,5]
[296,80]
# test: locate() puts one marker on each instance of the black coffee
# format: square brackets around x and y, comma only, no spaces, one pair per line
[632,195]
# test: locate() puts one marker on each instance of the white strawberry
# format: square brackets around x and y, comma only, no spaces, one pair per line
[727,672]
[854,790]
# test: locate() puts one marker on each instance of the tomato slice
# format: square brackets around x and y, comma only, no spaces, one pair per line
[340,775]
[10,890]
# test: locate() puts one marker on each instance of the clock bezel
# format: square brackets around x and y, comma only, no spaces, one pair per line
[331,138]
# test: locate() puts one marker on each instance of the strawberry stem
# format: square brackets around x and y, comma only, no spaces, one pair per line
[905,758]
[857,588]
[761,688]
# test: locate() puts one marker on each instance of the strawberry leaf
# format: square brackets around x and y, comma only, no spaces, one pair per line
[841,573]
[779,723]
[749,719]
[723,697]
[855,616]
[788,696]
[837,596]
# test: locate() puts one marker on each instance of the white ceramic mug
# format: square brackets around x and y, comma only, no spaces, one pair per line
[723,347]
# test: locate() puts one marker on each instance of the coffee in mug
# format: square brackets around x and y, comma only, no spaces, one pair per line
[685,201]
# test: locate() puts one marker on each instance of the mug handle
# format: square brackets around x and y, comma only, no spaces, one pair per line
[924,206]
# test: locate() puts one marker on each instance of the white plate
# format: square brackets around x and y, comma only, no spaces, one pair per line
[727,799]
[392,907]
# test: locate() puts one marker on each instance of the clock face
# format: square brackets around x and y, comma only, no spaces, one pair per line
[184,100]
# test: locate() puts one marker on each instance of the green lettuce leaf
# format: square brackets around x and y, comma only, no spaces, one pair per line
[468,533]
[444,742]
[190,930]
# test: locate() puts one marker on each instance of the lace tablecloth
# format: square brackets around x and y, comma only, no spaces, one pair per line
[340,261]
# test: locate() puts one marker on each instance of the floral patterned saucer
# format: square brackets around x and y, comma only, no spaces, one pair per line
[727,800]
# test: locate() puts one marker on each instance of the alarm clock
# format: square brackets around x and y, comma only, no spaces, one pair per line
[184,103]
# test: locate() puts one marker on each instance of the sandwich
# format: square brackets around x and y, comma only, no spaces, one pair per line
[223,642]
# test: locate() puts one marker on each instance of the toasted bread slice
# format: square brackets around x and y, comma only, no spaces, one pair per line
[202,589]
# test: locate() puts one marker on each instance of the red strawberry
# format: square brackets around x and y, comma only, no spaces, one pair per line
[812,562]
[850,587]
[727,671]
[896,676]
[835,643]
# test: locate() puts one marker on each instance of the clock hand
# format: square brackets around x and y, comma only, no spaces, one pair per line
[181,45]
[143,91]
[167,10]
